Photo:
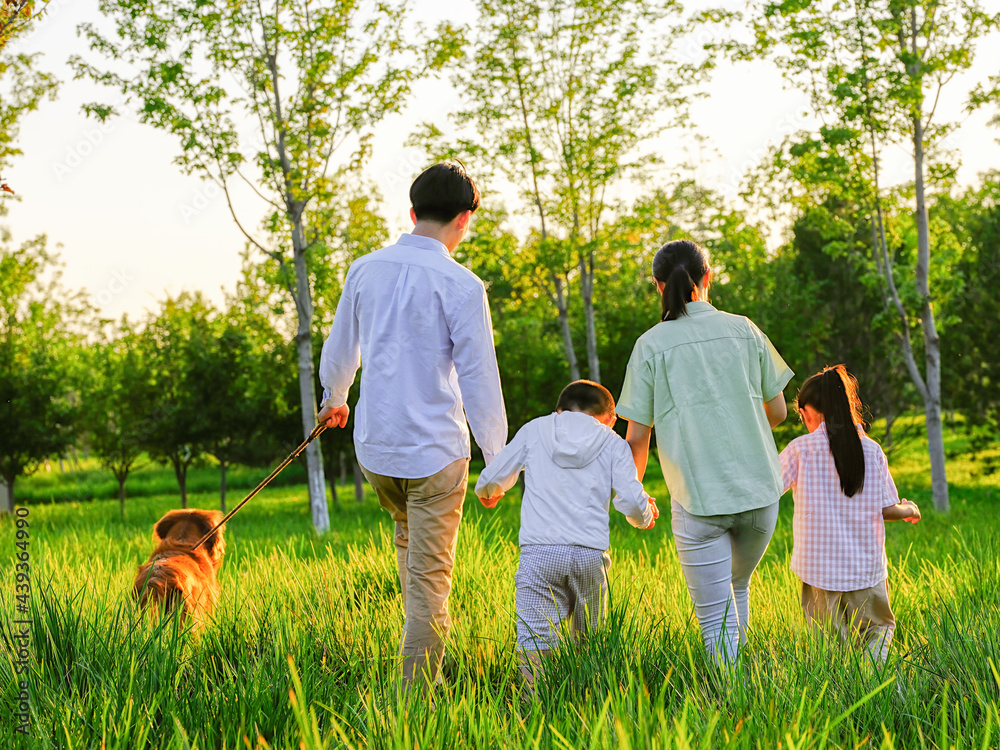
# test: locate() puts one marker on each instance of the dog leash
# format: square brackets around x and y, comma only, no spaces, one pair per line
[317,431]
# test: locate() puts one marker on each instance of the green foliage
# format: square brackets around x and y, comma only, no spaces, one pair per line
[314,77]
[40,328]
[24,87]
[969,353]
[216,383]
[234,388]
[559,98]
[16,16]
[117,403]
[173,434]
[560,95]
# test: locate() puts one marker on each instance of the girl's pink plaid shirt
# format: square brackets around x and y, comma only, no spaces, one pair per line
[839,541]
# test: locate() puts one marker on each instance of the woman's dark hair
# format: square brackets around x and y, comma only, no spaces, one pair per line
[681,264]
[834,394]
[442,192]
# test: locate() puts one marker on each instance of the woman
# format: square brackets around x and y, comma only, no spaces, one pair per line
[712,385]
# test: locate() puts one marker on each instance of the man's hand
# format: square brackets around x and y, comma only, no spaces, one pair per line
[491,502]
[333,416]
[656,513]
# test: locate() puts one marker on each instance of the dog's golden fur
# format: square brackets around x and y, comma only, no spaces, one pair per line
[178,575]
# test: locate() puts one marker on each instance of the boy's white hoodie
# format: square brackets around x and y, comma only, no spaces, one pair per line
[572,465]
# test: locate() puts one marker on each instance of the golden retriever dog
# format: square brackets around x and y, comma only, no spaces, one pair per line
[177,575]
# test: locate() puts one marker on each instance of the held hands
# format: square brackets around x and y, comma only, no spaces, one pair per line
[333,416]
[656,513]
[492,500]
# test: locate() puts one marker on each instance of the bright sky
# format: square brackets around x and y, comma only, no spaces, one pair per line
[131,228]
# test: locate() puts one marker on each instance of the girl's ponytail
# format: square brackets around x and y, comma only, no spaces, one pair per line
[681,265]
[834,394]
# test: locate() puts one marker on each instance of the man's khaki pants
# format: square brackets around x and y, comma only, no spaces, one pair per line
[863,616]
[427,513]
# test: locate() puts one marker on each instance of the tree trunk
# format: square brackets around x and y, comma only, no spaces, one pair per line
[932,342]
[121,493]
[222,486]
[587,293]
[929,387]
[180,471]
[563,306]
[6,496]
[343,467]
[890,418]
[307,392]
[331,479]
[359,483]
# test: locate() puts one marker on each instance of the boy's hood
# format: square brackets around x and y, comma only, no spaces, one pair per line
[574,439]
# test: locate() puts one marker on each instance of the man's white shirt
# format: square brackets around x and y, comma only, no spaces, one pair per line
[420,324]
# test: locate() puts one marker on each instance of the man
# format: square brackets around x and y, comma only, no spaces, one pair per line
[421,324]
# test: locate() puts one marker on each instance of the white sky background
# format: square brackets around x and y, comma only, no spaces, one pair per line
[131,227]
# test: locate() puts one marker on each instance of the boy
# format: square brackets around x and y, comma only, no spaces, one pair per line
[421,324]
[572,461]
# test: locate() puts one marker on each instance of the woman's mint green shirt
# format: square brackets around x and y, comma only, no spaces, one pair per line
[702,381]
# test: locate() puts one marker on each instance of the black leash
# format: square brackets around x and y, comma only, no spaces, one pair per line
[317,431]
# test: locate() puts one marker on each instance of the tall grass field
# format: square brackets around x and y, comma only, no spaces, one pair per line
[302,650]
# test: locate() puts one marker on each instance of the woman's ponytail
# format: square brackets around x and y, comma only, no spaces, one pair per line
[676,293]
[834,394]
[680,265]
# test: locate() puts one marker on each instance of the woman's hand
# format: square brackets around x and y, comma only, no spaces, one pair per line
[656,513]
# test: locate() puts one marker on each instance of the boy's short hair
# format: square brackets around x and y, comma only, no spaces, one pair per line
[587,396]
[442,192]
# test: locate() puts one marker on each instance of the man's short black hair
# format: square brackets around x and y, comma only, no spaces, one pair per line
[442,192]
[587,396]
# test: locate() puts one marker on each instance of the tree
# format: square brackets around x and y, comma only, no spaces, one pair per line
[174,432]
[969,351]
[560,96]
[116,403]
[872,66]
[40,330]
[235,371]
[308,78]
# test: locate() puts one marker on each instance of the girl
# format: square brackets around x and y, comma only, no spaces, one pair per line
[843,492]
[712,384]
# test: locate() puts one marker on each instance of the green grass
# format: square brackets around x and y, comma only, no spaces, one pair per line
[302,652]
